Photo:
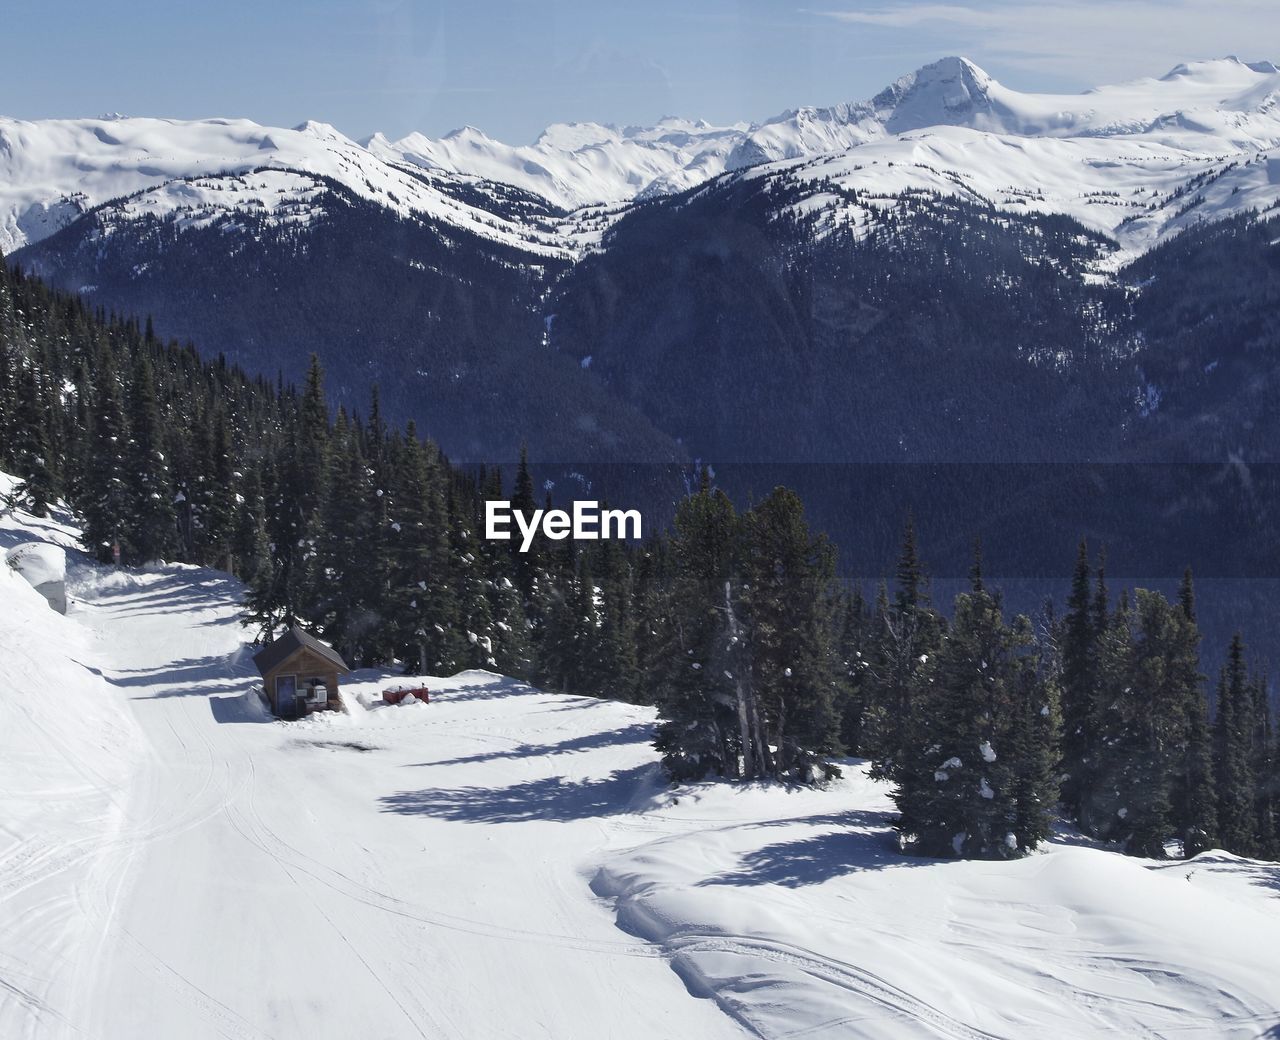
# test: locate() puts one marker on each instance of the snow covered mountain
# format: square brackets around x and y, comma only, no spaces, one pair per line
[579,164]
[1112,157]
[1137,161]
[53,171]
[1209,108]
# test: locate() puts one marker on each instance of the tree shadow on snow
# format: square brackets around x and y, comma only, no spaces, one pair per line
[186,678]
[636,733]
[175,588]
[1266,876]
[822,857]
[551,798]
[496,689]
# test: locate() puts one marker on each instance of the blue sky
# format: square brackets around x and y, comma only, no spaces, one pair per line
[512,66]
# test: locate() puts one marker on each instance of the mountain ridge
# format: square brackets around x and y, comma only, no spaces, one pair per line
[1151,134]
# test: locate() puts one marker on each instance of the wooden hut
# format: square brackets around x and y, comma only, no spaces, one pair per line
[300,674]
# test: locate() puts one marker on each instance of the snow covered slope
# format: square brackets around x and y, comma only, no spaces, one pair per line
[1135,151]
[51,171]
[1138,161]
[505,862]
[1207,108]
[579,164]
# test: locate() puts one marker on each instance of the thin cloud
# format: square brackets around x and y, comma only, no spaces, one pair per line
[1088,40]
[913,15]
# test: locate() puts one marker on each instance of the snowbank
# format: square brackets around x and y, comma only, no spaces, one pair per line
[39,562]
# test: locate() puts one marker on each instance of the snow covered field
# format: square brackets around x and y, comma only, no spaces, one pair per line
[508,863]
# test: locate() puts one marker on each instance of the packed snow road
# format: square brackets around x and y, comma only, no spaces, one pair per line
[254,879]
[508,863]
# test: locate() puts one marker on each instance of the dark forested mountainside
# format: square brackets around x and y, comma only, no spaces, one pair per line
[1207,306]
[449,324]
[945,332]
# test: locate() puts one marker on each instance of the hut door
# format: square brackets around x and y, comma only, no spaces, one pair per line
[286,695]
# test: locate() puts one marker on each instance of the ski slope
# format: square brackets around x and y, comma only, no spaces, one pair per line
[508,863]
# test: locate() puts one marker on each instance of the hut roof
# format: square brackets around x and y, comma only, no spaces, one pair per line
[278,650]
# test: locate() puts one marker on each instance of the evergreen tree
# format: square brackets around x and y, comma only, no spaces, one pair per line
[618,665]
[1233,746]
[525,564]
[1195,808]
[1164,676]
[425,602]
[1078,642]
[978,779]
[348,598]
[105,502]
[221,507]
[1103,809]
[31,448]
[789,575]
[1263,770]
[907,633]
[151,531]
[853,644]
[709,722]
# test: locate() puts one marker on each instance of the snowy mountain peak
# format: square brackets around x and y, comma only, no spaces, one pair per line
[1213,67]
[953,91]
[470,134]
[323,132]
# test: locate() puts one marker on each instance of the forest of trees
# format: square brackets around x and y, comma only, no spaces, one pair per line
[761,663]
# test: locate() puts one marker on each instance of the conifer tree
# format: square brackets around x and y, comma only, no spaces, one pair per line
[788,576]
[1263,770]
[617,637]
[469,580]
[31,449]
[1035,740]
[1194,800]
[1078,644]
[347,599]
[653,579]
[303,493]
[1233,746]
[220,513]
[852,648]
[1164,677]
[425,601]
[151,530]
[1103,809]
[701,686]
[525,564]
[907,632]
[980,766]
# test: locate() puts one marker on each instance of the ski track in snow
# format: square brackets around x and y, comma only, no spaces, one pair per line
[504,862]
